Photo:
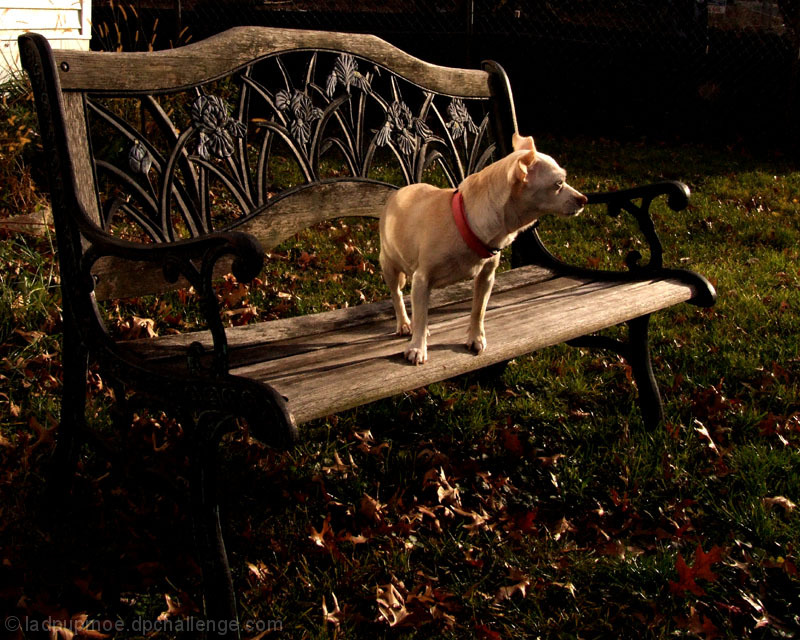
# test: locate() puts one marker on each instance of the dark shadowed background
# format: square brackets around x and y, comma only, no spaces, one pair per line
[692,69]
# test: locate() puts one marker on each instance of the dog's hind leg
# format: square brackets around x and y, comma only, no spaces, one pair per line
[396,279]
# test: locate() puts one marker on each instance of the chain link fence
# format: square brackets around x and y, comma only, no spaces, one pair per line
[668,66]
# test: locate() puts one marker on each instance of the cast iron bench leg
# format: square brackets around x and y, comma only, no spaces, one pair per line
[75,360]
[650,402]
[636,350]
[218,594]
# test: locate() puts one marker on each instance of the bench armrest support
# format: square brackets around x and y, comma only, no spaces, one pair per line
[195,260]
[616,201]
[636,201]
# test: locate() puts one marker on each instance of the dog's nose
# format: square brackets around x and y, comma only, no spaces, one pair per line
[582,199]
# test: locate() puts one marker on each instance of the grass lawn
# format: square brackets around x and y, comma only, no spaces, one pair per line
[525,501]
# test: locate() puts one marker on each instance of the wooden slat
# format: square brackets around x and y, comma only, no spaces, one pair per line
[314,204]
[378,370]
[77,135]
[271,225]
[257,335]
[118,278]
[367,341]
[306,359]
[218,55]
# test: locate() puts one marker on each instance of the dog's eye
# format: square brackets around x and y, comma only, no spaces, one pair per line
[559,185]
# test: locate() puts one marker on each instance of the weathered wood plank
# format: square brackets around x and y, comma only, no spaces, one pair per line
[82,166]
[271,225]
[312,204]
[341,346]
[218,55]
[119,278]
[367,342]
[286,329]
[377,370]
[307,358]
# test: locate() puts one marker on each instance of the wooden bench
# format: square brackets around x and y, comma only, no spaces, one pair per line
[162,171]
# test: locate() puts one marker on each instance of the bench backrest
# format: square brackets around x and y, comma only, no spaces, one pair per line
[257,129]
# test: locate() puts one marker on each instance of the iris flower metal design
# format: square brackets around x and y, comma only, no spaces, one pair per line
[346,72]
[212,119]
[302,110]
[405,128]
[460,120]
[186,178]
[139,158]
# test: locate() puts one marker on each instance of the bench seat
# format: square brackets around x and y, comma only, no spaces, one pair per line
[328,362]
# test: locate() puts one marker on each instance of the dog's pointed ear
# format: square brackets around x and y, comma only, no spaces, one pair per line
[519,143]
[523,161]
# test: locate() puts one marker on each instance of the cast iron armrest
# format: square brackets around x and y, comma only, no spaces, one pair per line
[636,201]
[264,408]
[194,259]
[181,257]
[616,201]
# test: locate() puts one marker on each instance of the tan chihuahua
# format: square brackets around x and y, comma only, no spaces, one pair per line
[436,237]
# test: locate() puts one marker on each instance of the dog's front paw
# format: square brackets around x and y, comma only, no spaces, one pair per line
[417,355]
[476,343]
[403,329]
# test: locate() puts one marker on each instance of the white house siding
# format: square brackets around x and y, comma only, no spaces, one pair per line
[65,23]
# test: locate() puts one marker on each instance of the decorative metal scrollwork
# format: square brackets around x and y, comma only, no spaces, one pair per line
[303,113]
[461,122]
[202,159]
[403,129]
[211,118]
[345,71]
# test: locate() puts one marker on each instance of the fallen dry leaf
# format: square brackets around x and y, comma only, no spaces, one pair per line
[135,328]
[367,444]
[341,467]
[446,493]
[176,609]
[259,571]
[324,536]
[521,584]
[77,628]
[550,461]
[371,508]
[346,536]
[391,605]
[479,520]
[779,501]
[485,633]
[334,616]
[700,569]
[564,526]
[703,431]
[701,626]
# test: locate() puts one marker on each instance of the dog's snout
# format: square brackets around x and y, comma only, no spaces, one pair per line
[580,201]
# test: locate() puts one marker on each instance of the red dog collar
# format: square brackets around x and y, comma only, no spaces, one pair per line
[473,241]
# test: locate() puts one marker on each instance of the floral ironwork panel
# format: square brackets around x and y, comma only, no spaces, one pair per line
[184,164]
